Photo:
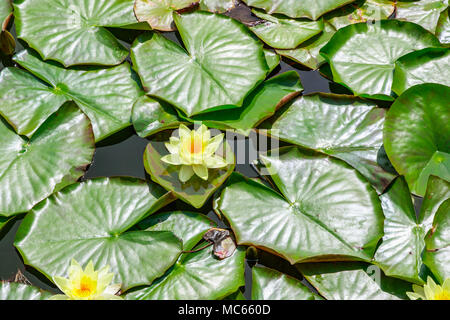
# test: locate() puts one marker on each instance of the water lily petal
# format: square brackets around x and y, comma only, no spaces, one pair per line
[172,159]
[414,296]
[172,148]
[183,131]
[113,289]
[446,285]
[63,284]
[104,281]
[201,171]
[186,172]
[59,297]
[214,144]
[204,133]
[215,162]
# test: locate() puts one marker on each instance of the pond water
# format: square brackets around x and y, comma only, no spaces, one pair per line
[121,155]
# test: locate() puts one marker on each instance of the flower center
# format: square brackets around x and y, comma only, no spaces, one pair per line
[195,144]
[86,288]
[444,295]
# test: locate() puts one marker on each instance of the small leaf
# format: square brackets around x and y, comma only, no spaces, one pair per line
[424,12]
[159,13]
[18,291]
[218,6]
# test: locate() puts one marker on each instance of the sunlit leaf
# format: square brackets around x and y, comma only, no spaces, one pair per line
[18,291]
[424,12]
[218,6]
[443,28]
[159,13]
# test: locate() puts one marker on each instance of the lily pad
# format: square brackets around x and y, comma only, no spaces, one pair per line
[342,126]
[188,226]
[443,28]
[269,284]
[197,276]
[298,9]
[106,96]
[32,169]
[307,53]
[437,254]
[217,48]
[258,106]
[150,116]
[438,191]
[327,212]
[195,191]
[362,56]
[218,6]
[284,33]
[159,13]
[416,134]
[431,65]
[5,10]
[90,221]
[73,32]
[272,59]
[424,12]
[18,291]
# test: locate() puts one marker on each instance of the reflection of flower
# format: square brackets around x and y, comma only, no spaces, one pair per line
[87,284]
[195,152]
[431,291]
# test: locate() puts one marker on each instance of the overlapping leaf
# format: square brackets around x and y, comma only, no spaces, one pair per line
[18,291]
[54,157]
[106,96]
[217,48]
[443,28]
[328,211]
[73,32]
[416,135]
[424,12]
[218,6]
[159,13]
[90,221]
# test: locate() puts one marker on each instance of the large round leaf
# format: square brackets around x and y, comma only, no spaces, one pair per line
[18,291]
[106,96]
[431,65]
[54,157]
[268,284]
[298,9]
[72,31]
[416,135]
[197,276]
[328,211]
[221,59]
[195,191]
[283,33]
[443,28]
[437,254]
[438,191]
[344,127]
[362,56]
[424,12]
[90,221]
[218,6]
[159,13]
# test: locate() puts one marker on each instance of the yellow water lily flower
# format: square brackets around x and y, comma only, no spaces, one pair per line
[195,152]
[86,284]
[431,291]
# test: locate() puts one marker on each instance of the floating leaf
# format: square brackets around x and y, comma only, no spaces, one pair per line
[235,296]
[195,191]
[285,33]
[54,157]
[159,13]
[188,226]
[424,12]
[438,191]
[362,55]
[416,134]
[218,6]
[73,32]
[197,276]
[437,254]
[443,28]
[298,9]
[5,10]
[268,284]
[430,65]
[328,211]
[106,96]
[272,59]
[18,291]
[90,221]
[344,127]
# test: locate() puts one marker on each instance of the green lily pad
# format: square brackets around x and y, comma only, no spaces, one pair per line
[298,9]
[307,53]
[159,13]
[90,221]
[54,157]
[150,116]
[424,12]
[5,10]
[213,60]
[362,56]
[73,32]
[272,59]
[197,276]
[437,254]
[327,211]
[195,191]
[258,106]
[268,284]
[443,28]
[106,96]
[235,296]
[353,281]
[438,191]
[416,134]
[360,11]
[188,226]
[18,291]
[218,6]
[284,33]
[431,65]
[342,126]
